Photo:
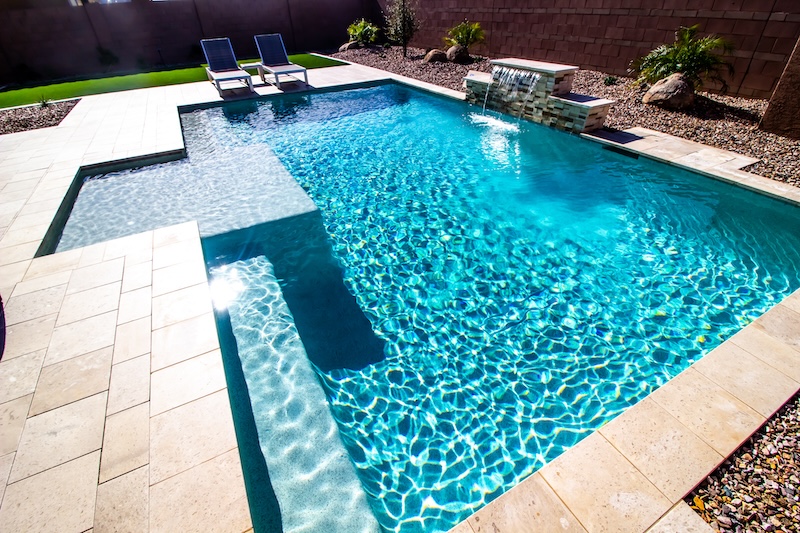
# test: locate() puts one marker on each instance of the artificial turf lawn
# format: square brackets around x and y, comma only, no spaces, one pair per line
[74,89]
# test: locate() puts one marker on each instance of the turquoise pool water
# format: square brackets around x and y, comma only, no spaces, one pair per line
[477,294]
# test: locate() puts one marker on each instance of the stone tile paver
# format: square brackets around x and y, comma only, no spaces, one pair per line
[60,435]
[681,519]
[782,323]
[603,489]
[58,499]
[18,376]
[530,506]
[770,350]
[132,340]
[42,282]
[210,493]
[51,264]
[34,304]
[186,250]
[95,275]
[137,276]
[84,336]
[92,302]
[123,504]
[186,381]
[180,305]
[178,276]
[135,304]
[711,412]
[670,456]
[71,380]
[31,336]
[126,442]
[762,387]
[181,438]
[12,419]
[130,384]
[5,468]
[184,340]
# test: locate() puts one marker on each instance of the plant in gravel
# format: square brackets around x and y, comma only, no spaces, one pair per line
[610,80]
[401,22]
[44,102]
[465,34]
[363,32]
[696,58]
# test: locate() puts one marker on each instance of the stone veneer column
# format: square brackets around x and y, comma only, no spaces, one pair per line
[783,114]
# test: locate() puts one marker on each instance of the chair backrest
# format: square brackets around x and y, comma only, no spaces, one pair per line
[219,54]
[271,49]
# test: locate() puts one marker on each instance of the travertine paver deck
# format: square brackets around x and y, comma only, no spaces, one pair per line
[114,412]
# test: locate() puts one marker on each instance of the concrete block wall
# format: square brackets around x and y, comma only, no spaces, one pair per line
[606,35]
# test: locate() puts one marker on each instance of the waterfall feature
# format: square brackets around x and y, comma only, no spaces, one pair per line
[510,81]
[536,91]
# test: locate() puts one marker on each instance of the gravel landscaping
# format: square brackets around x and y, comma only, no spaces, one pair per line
[757,489]
[722,121]
[34,116]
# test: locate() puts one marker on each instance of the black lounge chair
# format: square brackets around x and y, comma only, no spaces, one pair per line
[222,65]
[274,59]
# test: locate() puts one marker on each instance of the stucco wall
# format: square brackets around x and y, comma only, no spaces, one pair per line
[61,42]
[607,34]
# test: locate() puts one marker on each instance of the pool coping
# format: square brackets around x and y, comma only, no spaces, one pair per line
[567,489]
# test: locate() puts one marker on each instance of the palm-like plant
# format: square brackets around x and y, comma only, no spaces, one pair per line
[466,34]
[696,58]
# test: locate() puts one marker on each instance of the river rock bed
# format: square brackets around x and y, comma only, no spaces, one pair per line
[34,116]
[726,122]
[757,488]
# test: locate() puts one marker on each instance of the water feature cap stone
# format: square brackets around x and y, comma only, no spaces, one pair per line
[536,66]
[478,76]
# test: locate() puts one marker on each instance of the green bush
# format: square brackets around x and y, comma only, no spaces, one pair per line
[466,34]
[362,32]
[696,58]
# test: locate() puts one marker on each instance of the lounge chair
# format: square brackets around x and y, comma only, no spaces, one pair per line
[274,59]
[222,65]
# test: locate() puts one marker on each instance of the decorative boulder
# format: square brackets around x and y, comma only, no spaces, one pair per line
[436,56]
[457,54]
[349,46]
[673,92]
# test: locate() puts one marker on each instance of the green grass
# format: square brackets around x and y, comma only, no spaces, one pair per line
[74,89]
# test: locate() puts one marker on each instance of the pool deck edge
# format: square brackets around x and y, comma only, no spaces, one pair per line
[135,312]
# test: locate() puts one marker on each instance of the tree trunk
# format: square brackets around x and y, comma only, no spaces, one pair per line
[783,113]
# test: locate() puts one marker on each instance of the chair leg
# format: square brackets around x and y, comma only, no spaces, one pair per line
[277,81]
[305,75]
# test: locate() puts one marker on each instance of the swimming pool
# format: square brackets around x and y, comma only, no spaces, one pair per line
[503,289]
